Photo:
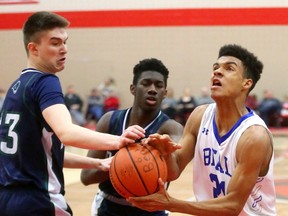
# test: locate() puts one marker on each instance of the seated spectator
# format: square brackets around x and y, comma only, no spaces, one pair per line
[169,104]
[252,102]
[2,97]
[204,97]
[111,102]
[284,112]
[107,86]
[185,106]
[74,104]
[269,109]
[95,105]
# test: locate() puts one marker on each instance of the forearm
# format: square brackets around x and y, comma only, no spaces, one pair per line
[92,176]
[85,138]
[172,167]
[218,206]
[77,161]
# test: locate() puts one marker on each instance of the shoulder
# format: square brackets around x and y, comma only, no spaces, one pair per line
[172,128]
[198,112]
[256,135]
[104,121]
[171,124]
[194,121]
[256,141]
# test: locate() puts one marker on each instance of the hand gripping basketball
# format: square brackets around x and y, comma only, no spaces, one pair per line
[135,170]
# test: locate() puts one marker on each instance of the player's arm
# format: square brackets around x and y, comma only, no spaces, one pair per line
[254,153]
[177,160]
[180,158]
[92,176]
[78,161]
[59,119]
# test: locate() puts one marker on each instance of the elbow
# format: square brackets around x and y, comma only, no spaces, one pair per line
[68,135]
[234,208]
[172,176]
[84,178]
[233,212]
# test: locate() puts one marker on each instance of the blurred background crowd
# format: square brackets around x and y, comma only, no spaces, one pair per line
[105,97]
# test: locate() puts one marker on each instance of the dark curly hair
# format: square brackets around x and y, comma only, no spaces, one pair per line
[252,66]
[150,64]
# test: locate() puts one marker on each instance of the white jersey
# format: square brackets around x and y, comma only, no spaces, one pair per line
[215,161]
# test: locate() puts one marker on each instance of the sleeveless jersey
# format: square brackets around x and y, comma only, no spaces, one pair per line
[215,161]
[118,123]
[31,155]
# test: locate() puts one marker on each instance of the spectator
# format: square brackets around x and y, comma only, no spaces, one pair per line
[95,105]
[2,97]
[269,109]
[74,104]
[107,87]
[204,97]
[185,106]
[169,104]
[284,112]
[252,102]
[111,102]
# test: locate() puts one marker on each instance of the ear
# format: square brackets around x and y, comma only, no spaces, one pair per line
[165,94]
[248,83]
[32,48]
[132,89]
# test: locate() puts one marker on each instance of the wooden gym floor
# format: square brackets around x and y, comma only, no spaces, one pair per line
[80,197]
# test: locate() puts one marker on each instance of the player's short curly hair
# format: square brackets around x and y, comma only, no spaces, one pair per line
[150,64]
[252,66]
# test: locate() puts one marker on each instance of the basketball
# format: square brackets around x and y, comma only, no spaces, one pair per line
[135,170]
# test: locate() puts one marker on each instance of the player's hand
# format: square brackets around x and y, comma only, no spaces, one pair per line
[132,133]
[163,143]
[103,164]
[154,202]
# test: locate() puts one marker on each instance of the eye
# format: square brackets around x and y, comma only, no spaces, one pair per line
[230,68]
[215,67]
[160,85]
[145,82]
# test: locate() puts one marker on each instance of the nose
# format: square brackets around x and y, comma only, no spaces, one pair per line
[217,71]
[152,89]
[64,48]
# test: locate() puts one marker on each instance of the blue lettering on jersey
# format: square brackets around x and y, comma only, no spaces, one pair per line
[219,186]
[212,158]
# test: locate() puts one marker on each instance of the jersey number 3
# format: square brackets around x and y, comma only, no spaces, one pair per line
[10,145]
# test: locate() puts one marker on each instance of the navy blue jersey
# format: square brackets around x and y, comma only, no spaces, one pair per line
[118,124]
[31,155]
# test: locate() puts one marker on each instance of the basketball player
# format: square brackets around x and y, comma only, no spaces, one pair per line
[149,89]
[35,124]
[230,145]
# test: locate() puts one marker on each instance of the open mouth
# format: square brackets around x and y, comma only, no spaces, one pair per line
[216,82]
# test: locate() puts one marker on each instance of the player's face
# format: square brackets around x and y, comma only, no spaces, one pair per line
[51,50]
[150,90]
[227,78]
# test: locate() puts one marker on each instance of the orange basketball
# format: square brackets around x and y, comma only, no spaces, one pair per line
[135,170]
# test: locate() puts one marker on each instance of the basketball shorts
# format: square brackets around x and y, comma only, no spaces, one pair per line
[104,207]
[26,201]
